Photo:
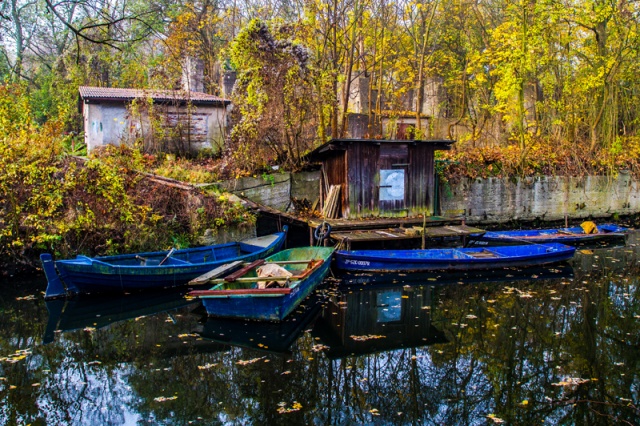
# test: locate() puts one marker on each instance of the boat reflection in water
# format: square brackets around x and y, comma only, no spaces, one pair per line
[269,336]
[82,312]
[560,270]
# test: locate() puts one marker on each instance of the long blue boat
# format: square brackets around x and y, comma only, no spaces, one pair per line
[448,259]
[572,235]
[154,270]
[247,294]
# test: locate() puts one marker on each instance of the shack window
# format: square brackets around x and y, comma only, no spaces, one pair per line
[392,185]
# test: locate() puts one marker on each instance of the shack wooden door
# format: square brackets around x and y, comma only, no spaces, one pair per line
[394,164]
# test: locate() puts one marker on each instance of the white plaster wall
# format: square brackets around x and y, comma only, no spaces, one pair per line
[93,131]
[547,198]
[108,123]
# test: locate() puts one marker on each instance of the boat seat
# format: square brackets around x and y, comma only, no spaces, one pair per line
[483,254]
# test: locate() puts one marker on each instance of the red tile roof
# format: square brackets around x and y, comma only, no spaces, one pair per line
[117,94]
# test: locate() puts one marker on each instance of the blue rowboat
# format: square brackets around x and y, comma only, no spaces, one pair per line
[243,294]
[155,270]
[573,235]
[450,259]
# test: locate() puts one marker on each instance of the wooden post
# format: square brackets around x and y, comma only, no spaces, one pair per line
[424,229]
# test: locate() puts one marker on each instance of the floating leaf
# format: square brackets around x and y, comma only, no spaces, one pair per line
[282,407]
[251,361]
[571,382]
[30,297]
[495,419]
[367,337]
[165,398]
[206,366]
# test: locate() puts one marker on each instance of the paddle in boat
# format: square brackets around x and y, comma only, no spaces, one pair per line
[145,271]
[452,258]
[587,233]
[268,289]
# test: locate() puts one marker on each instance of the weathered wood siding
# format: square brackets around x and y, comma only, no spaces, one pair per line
[421,179]
[362,180]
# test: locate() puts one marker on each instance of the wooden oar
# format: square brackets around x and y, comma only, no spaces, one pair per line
[217,272]
[167,256]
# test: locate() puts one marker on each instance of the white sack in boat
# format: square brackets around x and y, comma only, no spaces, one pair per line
[272,270]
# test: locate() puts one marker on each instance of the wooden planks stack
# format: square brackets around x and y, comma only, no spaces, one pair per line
[330,210]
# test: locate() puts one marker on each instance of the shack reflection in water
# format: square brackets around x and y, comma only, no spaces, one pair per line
[365,320]
[525,347]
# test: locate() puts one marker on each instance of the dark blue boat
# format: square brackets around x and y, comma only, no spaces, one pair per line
[155,270]
[452,258]
[573,235]
[244,294]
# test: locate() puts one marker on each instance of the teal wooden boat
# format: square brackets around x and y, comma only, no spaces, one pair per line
[148,271]
[247,295]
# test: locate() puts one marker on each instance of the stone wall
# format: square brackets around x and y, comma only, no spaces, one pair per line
[550,198]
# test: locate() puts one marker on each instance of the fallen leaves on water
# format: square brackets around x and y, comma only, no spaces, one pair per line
[17,356]
[251,361]
[367,337]
[164,398]
[374,411]
[283,409]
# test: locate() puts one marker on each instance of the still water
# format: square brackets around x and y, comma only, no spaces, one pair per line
[555,345]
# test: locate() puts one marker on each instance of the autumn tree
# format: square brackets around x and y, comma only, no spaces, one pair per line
[275,121]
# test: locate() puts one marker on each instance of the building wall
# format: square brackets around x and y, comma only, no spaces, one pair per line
[110,123]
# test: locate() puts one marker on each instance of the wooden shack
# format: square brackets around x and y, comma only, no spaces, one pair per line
[364,178]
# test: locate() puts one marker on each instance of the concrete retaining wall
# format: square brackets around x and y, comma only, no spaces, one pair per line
[276,190]
[490,200]
[550,198]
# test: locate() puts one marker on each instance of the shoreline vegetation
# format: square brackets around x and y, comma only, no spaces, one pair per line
[525,89]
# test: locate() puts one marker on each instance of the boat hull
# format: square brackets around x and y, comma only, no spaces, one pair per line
[125,273]
[271,306]
[452,259]
[574,235]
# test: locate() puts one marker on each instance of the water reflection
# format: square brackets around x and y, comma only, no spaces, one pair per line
[97,312]
[276,337]
[364,320]
[555,345]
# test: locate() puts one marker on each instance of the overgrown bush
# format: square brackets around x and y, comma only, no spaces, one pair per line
[105,205]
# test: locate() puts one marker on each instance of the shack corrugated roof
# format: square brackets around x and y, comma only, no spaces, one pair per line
[119,94]
[340,144]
